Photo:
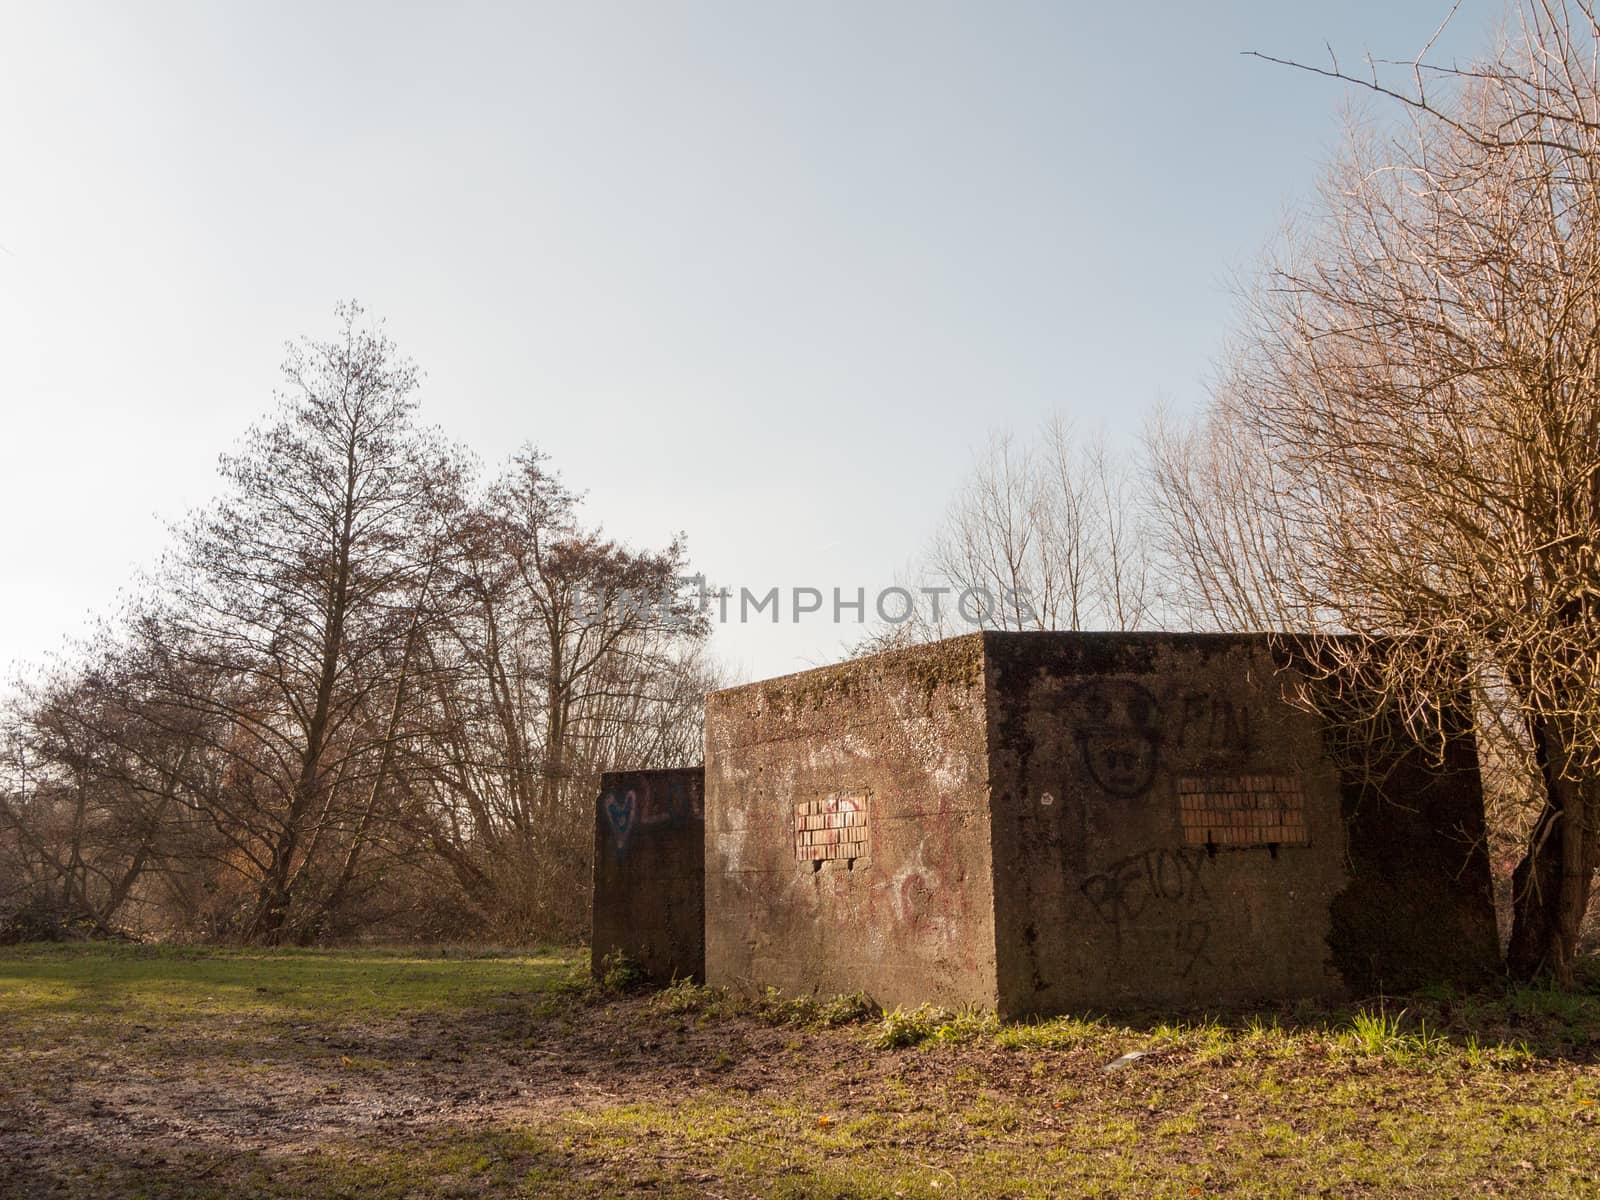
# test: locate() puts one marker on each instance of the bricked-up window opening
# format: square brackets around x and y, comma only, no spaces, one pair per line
[1243,810]
[833,828]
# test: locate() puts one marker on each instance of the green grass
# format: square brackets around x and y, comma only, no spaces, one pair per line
[200,1074]
[163,982]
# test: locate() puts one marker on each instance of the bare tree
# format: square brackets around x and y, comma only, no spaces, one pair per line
[1072,537]
[1121,570]
[1044,534]
[1407,441]
[993,541]
[303,587]
[566,654]
[99,800]
[1219,542]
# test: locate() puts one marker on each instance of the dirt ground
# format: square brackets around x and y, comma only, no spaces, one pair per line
[146,1110]
[566,1092]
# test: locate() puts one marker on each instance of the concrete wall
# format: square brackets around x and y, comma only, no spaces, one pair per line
[1417,907]
[848,830]
[649,871]
[1170,830]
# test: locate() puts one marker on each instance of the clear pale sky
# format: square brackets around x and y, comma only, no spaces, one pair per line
[766,273]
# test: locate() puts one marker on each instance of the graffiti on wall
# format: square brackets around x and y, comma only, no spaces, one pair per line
[929,907]
[1126,738]
[1218,727]
[1117,726]
[1121,893]
[1157,893]
[645,802]
[1122,731]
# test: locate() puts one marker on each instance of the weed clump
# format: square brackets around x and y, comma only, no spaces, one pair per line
[684,997]
[621,972]
[903,1027]
[773,1007]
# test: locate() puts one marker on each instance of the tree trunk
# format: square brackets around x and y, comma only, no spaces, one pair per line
[1551,885]
[332,902]
[269,926]
[555,734]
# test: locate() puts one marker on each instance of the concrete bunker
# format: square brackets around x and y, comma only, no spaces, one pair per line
[1053,822]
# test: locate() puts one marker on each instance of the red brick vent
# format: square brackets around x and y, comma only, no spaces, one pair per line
[831,828]
[1243,810]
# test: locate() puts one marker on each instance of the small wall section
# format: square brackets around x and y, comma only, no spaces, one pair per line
[649,872]
[847,843]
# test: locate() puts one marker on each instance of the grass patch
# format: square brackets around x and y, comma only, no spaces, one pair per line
[194,1073]
[163,982]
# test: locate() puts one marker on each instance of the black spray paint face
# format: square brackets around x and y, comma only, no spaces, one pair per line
[1118,729]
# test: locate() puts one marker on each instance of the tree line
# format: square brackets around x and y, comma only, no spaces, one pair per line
[366,690]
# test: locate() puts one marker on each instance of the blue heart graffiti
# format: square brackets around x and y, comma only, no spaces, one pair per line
[621,811]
